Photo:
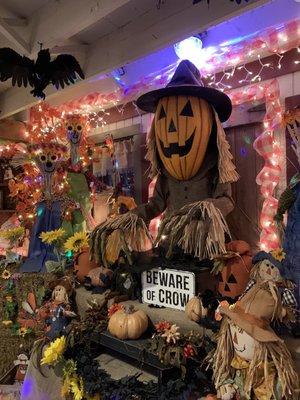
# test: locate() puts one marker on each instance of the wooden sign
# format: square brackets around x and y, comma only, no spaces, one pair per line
[168,287]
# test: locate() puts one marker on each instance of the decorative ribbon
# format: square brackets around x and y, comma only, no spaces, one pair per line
[267,147]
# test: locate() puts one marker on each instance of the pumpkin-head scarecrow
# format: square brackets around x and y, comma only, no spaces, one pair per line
[190,158]
[251,361]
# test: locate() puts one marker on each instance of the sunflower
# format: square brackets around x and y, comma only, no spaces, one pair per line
[73,384]
[54,351]
[52,236]
[278,254]
[76,385]
[12,234]
[6,274]
[77,242]
[22,331]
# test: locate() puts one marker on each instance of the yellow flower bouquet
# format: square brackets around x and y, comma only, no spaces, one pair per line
[55,238]
[54,352]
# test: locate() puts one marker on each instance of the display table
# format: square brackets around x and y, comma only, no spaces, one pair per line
[155,315]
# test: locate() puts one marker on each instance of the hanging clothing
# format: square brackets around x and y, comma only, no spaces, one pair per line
[48,219]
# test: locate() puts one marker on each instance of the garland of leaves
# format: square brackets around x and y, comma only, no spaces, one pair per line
[85,379]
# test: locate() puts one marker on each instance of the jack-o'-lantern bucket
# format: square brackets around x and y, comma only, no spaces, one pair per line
[234,276]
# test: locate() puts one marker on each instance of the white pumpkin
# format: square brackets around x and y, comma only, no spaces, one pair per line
[195,310]
[128,324]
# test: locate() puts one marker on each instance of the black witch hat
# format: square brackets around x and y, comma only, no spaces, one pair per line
[187,81]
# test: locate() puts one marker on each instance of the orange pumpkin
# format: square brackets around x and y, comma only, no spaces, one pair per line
[182,129]
[234,277]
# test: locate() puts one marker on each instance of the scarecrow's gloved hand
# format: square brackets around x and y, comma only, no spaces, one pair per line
[226,392]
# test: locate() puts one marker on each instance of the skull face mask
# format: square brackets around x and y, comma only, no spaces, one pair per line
[74,128]
[75,132]
[48,157]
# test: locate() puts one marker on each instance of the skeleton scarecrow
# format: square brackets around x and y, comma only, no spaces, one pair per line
[190,157]
[48,157]
[80,219]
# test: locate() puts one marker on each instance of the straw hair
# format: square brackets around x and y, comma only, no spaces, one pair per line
[151,154]
[227,170]
[264,353]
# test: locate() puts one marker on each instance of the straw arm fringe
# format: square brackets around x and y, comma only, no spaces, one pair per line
[126,223]
[198,229]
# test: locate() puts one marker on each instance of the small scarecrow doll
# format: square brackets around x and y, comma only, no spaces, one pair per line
[269,267]
[251,361]
[21,362]
[57,312]
[190,157]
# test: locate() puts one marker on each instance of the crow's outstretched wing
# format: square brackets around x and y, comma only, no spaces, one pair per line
[12,65]
[64,70]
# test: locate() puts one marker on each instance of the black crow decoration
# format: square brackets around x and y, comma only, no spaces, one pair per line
[63,70]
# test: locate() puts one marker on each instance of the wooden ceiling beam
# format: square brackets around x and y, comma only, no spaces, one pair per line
[14,37]
[149,30]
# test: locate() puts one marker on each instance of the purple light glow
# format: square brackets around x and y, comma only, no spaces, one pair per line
[27,388]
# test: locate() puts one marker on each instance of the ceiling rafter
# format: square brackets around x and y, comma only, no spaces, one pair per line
[149,30]
[14,37]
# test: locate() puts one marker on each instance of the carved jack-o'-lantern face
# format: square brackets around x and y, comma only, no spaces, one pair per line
[234,276]
[182,129]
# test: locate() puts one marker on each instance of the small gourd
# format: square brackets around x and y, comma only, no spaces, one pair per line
[195,310]
[128,323]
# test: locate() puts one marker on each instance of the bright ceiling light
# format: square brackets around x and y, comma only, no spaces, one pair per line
[189,49]
[192,49]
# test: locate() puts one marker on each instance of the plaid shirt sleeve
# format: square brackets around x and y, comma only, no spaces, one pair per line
[248,287]
[288,299]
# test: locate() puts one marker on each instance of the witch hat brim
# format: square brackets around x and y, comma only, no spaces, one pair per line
[186,81]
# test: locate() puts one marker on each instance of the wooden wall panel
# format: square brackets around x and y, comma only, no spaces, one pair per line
[244,220]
